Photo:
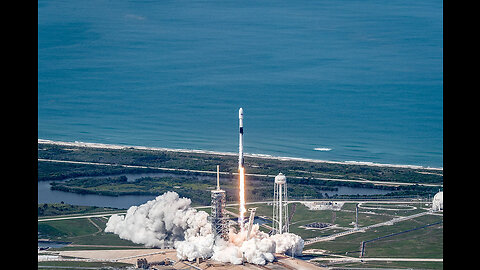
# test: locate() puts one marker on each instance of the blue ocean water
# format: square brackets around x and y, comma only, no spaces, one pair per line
[362,78]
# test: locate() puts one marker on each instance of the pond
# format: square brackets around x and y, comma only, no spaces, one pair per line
[46,195]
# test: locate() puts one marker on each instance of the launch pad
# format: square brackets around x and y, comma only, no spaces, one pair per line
[166,259]
[202,248]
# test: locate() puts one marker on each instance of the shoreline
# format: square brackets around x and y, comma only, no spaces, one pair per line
[265,156]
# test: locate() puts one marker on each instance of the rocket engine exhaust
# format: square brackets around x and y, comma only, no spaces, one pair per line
[241,173]
[242,210]
[169,221]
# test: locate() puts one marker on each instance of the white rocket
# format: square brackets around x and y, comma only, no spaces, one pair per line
[240,144]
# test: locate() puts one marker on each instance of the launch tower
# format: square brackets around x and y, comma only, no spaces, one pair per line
[218,217]
[280,205]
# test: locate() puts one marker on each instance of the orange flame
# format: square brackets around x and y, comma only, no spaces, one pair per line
[242,209]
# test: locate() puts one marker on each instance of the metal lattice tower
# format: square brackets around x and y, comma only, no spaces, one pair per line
[280,205]
[218,217]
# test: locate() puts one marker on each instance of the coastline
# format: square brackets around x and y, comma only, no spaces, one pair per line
[265,156]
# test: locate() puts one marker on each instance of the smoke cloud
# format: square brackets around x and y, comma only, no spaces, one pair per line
[160,222]
[170,221]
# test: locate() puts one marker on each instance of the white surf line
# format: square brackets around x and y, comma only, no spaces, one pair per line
[265,156]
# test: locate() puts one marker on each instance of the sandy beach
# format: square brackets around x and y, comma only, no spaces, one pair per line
[113,146]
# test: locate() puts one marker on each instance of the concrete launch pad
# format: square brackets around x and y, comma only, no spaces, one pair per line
[131,256]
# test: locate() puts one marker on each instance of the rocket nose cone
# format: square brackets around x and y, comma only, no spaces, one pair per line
[240,113]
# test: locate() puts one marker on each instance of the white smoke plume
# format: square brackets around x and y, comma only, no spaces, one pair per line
[160,222]
[258,249]
[288,243]
[170,221]
[195,247]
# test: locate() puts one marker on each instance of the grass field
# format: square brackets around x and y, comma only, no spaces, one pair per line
[387,265]
[308,179]
[85,231]
[88,233]
[422,243]
[56,209]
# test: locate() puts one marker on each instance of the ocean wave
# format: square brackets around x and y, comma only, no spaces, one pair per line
[322,149]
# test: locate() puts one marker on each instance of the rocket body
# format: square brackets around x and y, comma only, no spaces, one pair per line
[240,143]
[241,173]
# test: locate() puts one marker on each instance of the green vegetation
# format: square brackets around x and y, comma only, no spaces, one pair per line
[55,209]
[197,190]
[83,231]
[388,265]
[208,162]
[60,171]
[422,243]
[112,181]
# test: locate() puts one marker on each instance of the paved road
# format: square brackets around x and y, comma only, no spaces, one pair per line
[75,217]
[351,259]
[251,174]
[106,214]
[362,229]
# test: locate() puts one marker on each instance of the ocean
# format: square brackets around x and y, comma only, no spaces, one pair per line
[330,80]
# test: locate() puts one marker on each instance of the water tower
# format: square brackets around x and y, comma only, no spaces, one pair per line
[280,205]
